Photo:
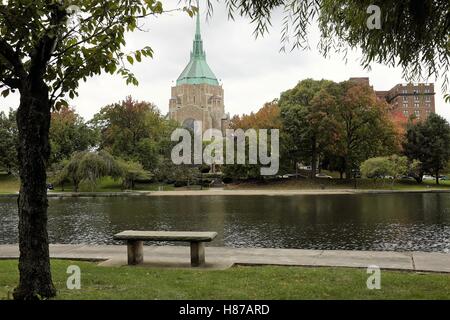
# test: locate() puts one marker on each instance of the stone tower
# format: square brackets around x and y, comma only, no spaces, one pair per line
[198,96]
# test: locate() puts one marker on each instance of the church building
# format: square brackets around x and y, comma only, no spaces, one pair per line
[198,95]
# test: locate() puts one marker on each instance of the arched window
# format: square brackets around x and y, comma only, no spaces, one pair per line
[189,124]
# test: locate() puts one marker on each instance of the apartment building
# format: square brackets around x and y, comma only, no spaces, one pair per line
[411,99]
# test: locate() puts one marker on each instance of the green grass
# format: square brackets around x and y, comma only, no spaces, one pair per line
[260,282]
[362,184]
[8,183]
[108,184]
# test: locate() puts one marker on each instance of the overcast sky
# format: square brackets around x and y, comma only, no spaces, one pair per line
[252,71]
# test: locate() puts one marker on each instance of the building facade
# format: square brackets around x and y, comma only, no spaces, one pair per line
[198,95]
[411,99]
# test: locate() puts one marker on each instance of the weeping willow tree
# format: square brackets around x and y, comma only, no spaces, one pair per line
[88,167]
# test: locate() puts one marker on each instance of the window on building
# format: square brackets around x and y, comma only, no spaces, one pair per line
[417,113]
[405,98]
[427,90]
[428,105]
[405,91]
[416,98]
[427,98]
[405,112]
[405,105]
[416,105]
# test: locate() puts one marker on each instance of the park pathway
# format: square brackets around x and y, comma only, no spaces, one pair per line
[223,258]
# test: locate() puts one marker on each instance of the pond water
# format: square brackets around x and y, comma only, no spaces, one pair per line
[403,222]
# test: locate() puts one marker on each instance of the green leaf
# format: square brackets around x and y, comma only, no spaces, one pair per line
[138,56]
[130,59]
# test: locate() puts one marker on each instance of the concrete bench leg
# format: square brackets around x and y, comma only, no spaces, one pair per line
[135,252]
[197,254]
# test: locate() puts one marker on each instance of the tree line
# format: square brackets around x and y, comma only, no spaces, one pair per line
[128,140]
[323,124]
[338,126]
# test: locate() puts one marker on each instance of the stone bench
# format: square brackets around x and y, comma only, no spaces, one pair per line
[135,246]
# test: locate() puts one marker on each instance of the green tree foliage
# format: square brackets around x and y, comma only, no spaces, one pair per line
[364,128]
[429,142]
[413,34]
[88,167]
[68,134]
[341,124]
[8,142]
[132,172]
[393,166]
[378,167]
[268,117]
[46,49]
[306,113]
[135,131]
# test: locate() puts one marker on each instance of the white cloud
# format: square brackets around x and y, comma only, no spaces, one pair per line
[252,71]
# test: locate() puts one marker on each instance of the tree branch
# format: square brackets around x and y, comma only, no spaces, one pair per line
[11,82]
[46,45]
[8,53]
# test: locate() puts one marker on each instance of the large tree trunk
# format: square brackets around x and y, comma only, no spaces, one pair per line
[348,168]
[33,120]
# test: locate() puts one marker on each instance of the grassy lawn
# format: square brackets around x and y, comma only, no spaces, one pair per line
[235,283]
[316,184]
[8,183]
[107,184]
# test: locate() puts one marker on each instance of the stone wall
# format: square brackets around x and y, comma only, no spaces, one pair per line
[201,102]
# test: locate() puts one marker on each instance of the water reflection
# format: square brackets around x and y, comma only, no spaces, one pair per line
[357,222]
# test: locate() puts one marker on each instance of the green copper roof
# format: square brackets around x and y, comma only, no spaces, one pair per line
[197,71]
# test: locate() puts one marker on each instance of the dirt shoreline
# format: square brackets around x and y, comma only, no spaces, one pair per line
[220,192]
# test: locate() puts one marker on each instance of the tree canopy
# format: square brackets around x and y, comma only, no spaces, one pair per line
[429,143]
[340,123]
[8,141]
[135,130]
[46,49]
[414,34]
[68,41]
[69,133]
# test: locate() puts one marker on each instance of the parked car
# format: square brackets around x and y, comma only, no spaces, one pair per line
[292,176]
[356,173]
[323,176]
[428,177]
[444,178]
[50,186]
